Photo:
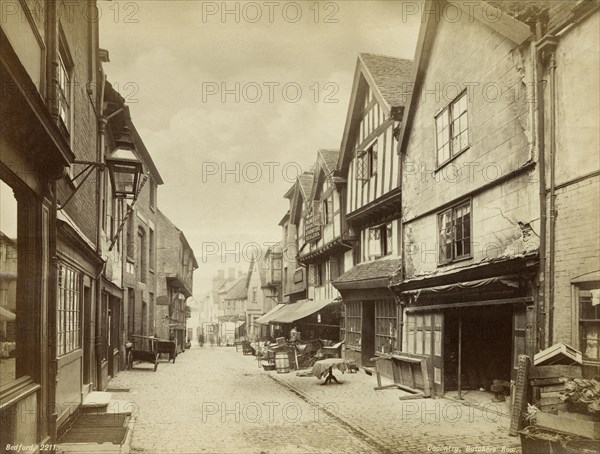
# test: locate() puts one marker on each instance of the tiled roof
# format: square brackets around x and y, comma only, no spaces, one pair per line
[238,290]
[371,270]
[305,180]
[330,159]
[391,75]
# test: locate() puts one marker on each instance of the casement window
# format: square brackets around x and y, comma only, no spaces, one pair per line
[152,195]
[142,255]
[380,241]
[366,163]
[152,249]
[130,236]
[386,334]
[328,211]
[452,130]
[455,233]
[254,292]
[353,323]
[68,328]
[321,274]
[589,324]
[65,89]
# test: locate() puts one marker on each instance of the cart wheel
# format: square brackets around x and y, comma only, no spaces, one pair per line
[156,363]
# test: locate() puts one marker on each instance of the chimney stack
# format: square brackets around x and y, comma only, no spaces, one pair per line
[231,273]
[221,274]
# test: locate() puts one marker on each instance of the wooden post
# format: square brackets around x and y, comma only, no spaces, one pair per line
[459,378]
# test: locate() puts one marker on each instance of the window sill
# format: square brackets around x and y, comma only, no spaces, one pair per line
[445,163]
[450,262]
[16,390]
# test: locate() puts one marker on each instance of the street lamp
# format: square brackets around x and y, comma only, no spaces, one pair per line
[124,167]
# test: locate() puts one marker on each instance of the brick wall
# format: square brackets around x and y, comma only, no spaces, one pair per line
[82,208]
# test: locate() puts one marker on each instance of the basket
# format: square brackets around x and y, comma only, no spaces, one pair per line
[268,366]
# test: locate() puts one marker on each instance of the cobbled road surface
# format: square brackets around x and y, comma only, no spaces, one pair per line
[216,400]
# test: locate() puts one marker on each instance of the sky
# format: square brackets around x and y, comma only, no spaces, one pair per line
[234,99]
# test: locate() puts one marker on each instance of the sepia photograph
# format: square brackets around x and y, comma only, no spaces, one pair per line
[300,227]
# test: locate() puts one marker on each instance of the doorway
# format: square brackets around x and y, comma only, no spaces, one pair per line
[483,338]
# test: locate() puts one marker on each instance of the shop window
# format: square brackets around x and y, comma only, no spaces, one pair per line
[455,233]
[386,334]
[69,310]
[452,130]
[380,241]
[8,284]
[353,323]
[589,324]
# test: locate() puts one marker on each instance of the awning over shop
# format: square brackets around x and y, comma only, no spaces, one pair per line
[302,308]
[264,319]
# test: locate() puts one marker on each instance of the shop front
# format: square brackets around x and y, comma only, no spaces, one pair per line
[370,314]
[470,330]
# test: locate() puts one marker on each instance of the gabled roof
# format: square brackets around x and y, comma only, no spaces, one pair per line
[239,289]
[387,77]
[306,180]
[504,24]
[329,159]
[325,167]
[302,190]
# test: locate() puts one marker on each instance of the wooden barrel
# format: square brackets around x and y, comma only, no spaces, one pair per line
[282,362]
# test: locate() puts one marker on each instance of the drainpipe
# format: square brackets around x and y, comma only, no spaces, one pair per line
[539,96]
[51,409]
[545,48]
[99,186]
[552,139]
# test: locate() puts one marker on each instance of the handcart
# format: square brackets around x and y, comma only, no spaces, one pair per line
[148,353]
[167,346]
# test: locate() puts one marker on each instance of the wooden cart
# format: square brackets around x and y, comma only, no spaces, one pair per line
[167,346]
[149,354]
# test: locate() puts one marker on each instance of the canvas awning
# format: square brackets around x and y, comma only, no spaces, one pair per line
[300,309]
[264,319]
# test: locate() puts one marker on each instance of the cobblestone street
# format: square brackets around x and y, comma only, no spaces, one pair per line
[215,400]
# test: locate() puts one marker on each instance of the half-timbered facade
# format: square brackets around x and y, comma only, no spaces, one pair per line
[370,164]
